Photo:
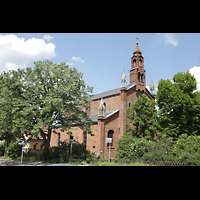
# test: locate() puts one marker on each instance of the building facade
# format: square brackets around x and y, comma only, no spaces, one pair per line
[108,111]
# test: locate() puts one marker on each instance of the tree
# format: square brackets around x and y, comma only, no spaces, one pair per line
[56,95]
[143,118]
[179,105]
[11,105]
[41,99]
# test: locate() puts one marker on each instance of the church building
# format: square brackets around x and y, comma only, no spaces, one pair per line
[108,111]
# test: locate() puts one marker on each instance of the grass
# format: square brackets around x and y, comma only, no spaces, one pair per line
[5,157]
[118,164]
[100,163]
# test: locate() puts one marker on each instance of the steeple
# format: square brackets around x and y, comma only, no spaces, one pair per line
[152,87]
[123,80]
[137,72]
[102,108]
[137,49]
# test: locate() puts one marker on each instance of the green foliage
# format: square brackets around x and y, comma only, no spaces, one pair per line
[14,150]
[11,105]
[144,118]
[2,148]
[179,105]
[41,99]
[159,150]
[184,149]
[187,149]
[131,148]
[61,153]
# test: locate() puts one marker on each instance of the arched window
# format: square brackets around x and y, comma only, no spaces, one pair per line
[139,77]
[134,62]
[140,63]
[142,78]
[110,135]
[58,139]
[84,138]
[105,106]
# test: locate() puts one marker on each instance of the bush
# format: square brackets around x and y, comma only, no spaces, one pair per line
[184,149]
[187,149]
[2,148]
[61,154]
[57,154]
[131,148]
[159,150]
[14,150]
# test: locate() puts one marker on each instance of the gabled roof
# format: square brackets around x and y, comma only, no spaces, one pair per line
[94,117]
[110,92]
[105,94]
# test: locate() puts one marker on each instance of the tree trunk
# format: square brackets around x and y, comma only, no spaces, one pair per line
[47,139]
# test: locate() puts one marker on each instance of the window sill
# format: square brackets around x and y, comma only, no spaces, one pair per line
[111,147]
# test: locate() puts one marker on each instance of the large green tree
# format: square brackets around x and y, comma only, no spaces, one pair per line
[143,119]
[11,105]
[179,105]
[49,96]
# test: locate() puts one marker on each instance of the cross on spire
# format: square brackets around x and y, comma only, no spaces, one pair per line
[137,40]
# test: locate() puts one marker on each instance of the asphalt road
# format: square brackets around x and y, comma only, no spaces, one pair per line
[4,162]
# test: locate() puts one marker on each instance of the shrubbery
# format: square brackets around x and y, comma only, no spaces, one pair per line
[130,147]
[14,150]
[61,153]
[184,149]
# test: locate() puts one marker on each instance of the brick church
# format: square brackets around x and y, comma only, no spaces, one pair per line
[108,111]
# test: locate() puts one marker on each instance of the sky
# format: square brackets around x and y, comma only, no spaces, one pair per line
[101,57]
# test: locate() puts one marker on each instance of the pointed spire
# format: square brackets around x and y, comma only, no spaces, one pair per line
[101,108]
[152,87]
[137,49]
[123,80]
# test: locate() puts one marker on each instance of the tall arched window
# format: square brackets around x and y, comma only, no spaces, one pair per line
[134,62]
[140,63]
[142,78]
[139,77]
[58,139]
[110,135]
[85,138]
[105,106]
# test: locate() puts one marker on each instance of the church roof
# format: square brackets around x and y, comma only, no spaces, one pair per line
[110,92]
[137,49]
[94,117]
[105,94]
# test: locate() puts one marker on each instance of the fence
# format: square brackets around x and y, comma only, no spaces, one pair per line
[155,163]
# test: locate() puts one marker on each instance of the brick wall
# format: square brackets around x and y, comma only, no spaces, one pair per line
[112,103]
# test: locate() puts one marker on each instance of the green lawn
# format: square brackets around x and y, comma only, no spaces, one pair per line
[118,164]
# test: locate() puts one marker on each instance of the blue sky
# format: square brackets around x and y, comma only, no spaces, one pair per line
[103,56]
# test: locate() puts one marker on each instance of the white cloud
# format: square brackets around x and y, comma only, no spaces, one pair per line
[48,37]
[16,52]
[77,59]
[196,72]
[70,63]
[168,38]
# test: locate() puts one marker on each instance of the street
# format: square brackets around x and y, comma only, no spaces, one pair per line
[5,162]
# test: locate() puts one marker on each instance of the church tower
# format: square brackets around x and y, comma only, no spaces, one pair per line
[137,72]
